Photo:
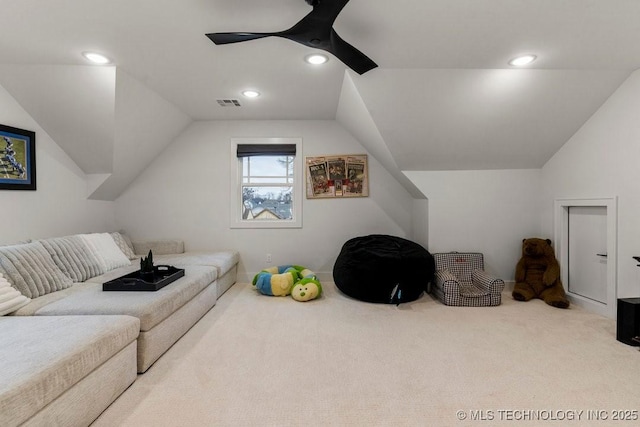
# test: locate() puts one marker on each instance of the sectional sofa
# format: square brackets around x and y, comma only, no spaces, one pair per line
[69,348]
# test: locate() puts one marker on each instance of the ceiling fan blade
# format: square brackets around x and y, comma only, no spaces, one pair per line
[226,38]
[352,57]
[314,30]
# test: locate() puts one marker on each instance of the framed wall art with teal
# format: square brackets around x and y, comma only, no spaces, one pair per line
[17,159]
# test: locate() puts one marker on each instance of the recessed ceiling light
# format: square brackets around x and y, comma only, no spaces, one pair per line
[316,59]
[522,60]
[96,58]
[251,93]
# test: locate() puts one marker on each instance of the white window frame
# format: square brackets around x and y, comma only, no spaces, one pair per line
[236,220]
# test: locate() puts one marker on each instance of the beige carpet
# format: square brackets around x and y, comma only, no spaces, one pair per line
[255,360]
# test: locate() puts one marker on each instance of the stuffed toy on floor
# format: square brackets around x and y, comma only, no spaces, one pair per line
[538,274]
[276,281]
[283,280]
[306,290]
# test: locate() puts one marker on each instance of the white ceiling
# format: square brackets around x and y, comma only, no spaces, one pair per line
[442,98]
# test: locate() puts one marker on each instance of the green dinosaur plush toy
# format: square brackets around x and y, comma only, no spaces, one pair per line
[306,290]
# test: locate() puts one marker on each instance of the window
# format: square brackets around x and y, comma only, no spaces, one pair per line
[267,190]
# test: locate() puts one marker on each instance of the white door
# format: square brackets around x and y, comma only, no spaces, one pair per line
[587,257]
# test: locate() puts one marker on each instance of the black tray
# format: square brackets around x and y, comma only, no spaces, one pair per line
[162,276]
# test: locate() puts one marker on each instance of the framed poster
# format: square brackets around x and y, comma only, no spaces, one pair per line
[337,176]
[17,159]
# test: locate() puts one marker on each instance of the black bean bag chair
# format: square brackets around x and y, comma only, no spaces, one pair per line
[383,269]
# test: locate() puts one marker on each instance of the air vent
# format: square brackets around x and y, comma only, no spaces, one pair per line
[229,103]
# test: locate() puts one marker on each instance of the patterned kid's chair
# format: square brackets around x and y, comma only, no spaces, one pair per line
[460,280]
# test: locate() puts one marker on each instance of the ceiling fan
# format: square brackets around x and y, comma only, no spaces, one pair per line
[314,30]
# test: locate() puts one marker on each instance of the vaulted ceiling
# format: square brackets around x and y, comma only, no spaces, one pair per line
[442,98]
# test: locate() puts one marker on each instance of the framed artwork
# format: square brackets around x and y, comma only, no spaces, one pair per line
[337,176]
[17,159]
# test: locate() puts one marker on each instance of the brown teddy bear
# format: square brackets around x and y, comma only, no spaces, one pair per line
[538,274]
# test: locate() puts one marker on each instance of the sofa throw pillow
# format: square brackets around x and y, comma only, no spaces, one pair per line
[30,269]
[10,298]
[123,245]
[72,255]
[129,242]
[105,250]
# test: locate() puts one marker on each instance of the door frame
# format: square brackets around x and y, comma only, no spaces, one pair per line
[561,226]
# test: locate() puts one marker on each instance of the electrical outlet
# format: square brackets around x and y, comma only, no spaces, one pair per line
[268,258]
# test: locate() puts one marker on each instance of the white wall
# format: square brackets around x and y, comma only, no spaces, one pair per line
[59,205]
[603,160]
[185,194]
[488,211]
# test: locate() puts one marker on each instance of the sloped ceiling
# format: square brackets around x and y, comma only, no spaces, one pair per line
[145,124]
[354,116]
[442,98]
[74,104]
[109,124]
[482,119]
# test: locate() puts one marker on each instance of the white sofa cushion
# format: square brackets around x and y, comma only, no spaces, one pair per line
[72,255]
[31,270]
[104,248]
[222,260]
[44,300]
[68,349]
[10,298]
[159,247]
[150,307]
